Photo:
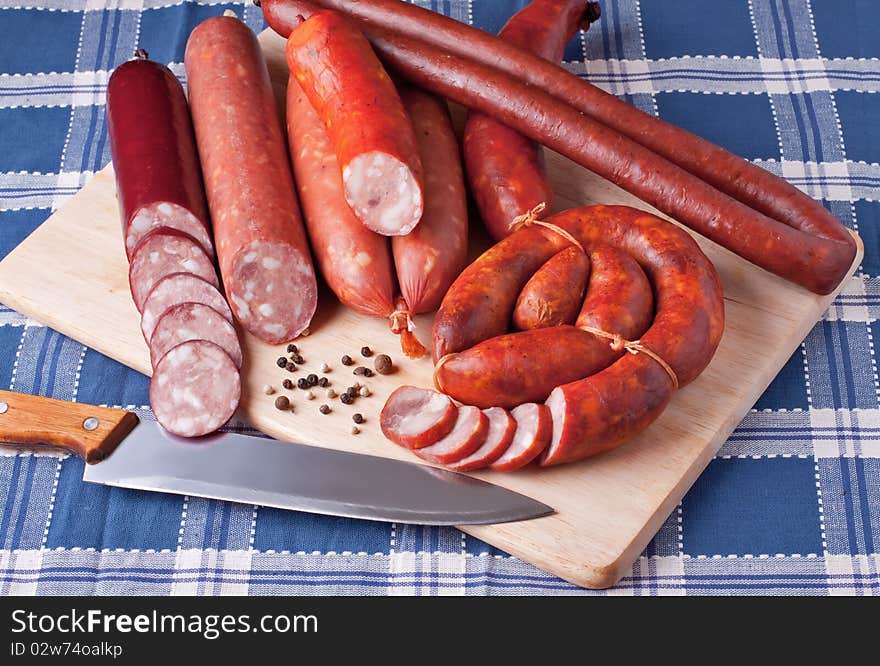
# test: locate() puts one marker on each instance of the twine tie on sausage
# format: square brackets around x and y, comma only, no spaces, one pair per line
[619,343]
[402,324]
[437,366]
[530,218]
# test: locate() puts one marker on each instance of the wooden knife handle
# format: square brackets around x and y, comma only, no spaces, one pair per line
[90,432]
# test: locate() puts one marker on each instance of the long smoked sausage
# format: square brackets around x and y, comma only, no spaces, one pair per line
[505,169]
[158,179]
[261,244]
[755,214]
[371,132]
[432,255]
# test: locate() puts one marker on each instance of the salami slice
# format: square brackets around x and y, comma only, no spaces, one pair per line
[171,216]
[466,436]
[498,438]
[415,418]
[193,321]
[163,252]
[534,426]
[180,288]
[195,389]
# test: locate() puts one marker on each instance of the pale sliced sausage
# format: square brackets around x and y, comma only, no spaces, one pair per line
[534,426]
[466,436]
[502,426]
[180,288]
[415,418]
[194,321]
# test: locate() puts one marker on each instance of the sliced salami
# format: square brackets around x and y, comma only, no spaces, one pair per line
[415,418]
[193,321]
[171,216]
[466,436]
[195,389]
[180,288]
[502,426]
[534,427]
[163,252]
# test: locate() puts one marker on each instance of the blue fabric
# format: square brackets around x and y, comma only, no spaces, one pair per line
[790,505]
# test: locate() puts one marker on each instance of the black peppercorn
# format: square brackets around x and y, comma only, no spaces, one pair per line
[323,382]
[303,383]
[281,362]
[346,398]
[292,348]
[324,409]
[287,384]
[282,402]
[347,360]
[366,352]
[358,418]
[312,379]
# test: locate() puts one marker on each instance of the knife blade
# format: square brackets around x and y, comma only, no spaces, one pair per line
[124,451]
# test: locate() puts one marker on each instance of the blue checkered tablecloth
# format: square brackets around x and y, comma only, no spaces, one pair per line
[791,504]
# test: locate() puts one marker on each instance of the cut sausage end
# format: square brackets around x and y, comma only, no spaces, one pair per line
[162,252]
[384,193]
[533,431]
[180,288]
[194,321]
[556,404]
[415,418]
[466,436]
[171,216]
[195,389]
[502,426]
[272,290]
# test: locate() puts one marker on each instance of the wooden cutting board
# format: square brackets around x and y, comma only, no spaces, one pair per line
[71,274]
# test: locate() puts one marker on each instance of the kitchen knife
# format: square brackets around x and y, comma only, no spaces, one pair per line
[123,451]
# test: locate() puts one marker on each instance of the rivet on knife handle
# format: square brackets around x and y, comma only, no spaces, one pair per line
[88,431]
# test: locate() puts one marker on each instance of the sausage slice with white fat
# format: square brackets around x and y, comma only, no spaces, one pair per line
[194,321]
[180,288]
[163,252]
[415,418]
[466,436]
[195,389]
[534,427]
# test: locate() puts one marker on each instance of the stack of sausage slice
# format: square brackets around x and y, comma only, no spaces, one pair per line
[194,347]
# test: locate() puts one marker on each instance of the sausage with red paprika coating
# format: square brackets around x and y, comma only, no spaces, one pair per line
[372,134]
[554,294]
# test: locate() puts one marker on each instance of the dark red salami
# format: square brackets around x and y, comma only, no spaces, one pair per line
[195,389]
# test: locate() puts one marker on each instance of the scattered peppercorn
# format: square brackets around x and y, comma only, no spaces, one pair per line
[366,352]
[291,366]
[312,379]
[360,370]
[358,418]
[268,390]
[324,368]
[323,382]
[281,362]
[384,365]
[346,398]
[302,382]
[299,359]
[324,409]
[282,402]
[287,384]
[310,395]
[368,372]
[364,392]
[331,393]
[292,348]
[355,430]
[347,360]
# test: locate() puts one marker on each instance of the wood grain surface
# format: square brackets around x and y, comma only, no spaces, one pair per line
[71,274]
